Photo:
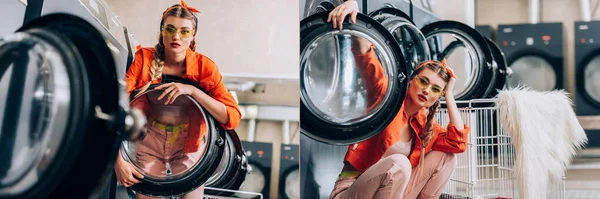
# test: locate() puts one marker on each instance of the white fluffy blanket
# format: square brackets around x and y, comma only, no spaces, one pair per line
[546,136]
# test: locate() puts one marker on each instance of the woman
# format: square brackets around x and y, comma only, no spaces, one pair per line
[175,55]
[413,156]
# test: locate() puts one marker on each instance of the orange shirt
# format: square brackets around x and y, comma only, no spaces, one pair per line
[366,153]
[199,69]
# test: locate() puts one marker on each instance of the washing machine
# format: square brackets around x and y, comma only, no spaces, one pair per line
[486,31]
[587,74]
[260,155]
[310,7]
[533,49]
[132,45]
[289,172]
[64,111]
[420,16]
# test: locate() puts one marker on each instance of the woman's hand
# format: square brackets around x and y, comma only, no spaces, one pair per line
[126,174]
[337,15]
[174,90]
[449,90]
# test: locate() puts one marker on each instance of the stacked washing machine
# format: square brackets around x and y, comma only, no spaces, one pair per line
[533,49]
[587,78]
[260,156]
[289,172]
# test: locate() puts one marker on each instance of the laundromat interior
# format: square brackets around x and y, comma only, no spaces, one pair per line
[254,46]
[545,43]
[67,109]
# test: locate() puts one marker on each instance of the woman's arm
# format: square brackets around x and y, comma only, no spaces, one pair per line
[214,98]
[453,112]
[216,108]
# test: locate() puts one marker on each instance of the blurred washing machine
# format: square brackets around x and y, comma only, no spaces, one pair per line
[534,52]
[310,7]
[65,111]
[486,31]
[133,46]
[587,74]
[260,155]
[289,172]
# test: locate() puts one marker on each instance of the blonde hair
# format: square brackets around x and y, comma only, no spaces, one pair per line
[427,132]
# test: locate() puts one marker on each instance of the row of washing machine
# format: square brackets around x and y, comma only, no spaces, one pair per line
[260,157]
[535,53]
[529,54]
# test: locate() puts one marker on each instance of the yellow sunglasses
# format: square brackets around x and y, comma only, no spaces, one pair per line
[171,31]
[424,83]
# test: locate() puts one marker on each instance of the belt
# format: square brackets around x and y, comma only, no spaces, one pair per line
[348,174]
[169,128]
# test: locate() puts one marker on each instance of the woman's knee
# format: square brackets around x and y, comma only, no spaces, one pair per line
[447,159]
[401,163]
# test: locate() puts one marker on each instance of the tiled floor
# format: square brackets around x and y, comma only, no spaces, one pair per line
[582,194]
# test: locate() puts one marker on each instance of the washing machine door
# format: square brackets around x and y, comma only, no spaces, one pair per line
[533,62]
[412,42]
[232,169]
[589,84]
[60,113]
[467,52]
[352,82]
[182,146]
[289,185]
[503,71]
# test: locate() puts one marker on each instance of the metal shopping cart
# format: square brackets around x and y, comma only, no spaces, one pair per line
[485,169]
[244,193]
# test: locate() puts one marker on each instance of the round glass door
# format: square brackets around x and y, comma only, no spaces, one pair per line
[255,181]
[232,169]
[412,42]
[503,71]
[352,81]
[292,184]
[466,52]
[592,80]
[182,146]
[60,107]
[534,72]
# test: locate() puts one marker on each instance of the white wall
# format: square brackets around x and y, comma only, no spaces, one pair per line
[246,37]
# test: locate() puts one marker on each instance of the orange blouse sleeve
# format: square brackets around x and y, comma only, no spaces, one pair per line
[450,139]
[373,76]
[216,89]
[133,73]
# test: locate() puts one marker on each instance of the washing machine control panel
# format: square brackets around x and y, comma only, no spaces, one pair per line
[521,35]
[586,33]
[290,152]
[258,151]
